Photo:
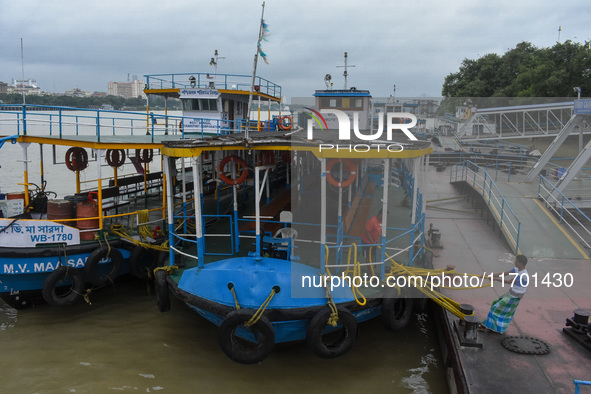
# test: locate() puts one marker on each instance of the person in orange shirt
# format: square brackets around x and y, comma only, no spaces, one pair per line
[371,236]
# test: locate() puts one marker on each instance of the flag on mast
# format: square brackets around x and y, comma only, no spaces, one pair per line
[263,36]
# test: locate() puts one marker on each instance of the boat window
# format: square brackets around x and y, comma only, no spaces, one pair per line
[200,105]
[345,103]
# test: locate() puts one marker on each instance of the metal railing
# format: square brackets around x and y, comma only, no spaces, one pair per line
[211,81]
[562,207]
[484,184]
[51,121]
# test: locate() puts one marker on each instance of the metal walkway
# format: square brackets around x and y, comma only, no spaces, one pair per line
[527,225]
[521,121]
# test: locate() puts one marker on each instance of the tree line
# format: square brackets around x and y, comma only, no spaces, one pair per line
[117,102]
[524,71]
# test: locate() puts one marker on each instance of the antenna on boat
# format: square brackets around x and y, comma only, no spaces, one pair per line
[254,71]
[22,71]
[214,63]
[345,66]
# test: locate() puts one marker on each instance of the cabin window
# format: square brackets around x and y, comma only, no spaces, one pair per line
[202,104]
[345,103]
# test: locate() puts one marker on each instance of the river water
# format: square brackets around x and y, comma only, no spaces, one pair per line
[121,342]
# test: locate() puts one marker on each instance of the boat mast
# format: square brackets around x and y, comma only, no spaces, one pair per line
[254,72]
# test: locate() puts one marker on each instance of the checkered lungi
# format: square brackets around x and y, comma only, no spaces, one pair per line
[501,313]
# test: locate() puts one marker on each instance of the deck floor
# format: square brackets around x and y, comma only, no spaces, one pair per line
[472,246]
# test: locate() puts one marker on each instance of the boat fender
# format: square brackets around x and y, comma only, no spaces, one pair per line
[142,261]
[350,167]
[76,159]
[57,279]
[346,331]
[239,349]
[144,155]
[161,286]
[396,312]
[228,180]
[115,157]
[91,268]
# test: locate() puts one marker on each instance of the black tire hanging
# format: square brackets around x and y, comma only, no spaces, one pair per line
[142,262]
[91,268]
[322,343]
[396,312]
[162,295]
[239,349]
[63,287]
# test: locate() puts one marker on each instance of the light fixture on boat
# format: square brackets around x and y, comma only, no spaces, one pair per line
[193,81]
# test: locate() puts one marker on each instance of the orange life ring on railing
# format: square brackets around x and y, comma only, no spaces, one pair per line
[283,125]
[349,166]
[228,180]
[76,159]
[115,157]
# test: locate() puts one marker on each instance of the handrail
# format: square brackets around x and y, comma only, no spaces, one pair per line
[55,121]
[491,194]
[209,80]
[561,206]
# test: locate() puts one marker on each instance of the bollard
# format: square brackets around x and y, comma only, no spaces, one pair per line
[471,328]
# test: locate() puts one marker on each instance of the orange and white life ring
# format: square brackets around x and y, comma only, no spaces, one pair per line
[227,180]
[349,166]
[285,122]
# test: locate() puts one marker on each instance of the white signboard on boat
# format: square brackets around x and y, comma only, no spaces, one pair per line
[199,93]
[12,207]
[30,233]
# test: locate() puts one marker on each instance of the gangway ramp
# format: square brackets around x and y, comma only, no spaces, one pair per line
[526,224]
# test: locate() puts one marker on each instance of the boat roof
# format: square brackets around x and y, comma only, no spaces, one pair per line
[171,85]
[325,143]
[342,93]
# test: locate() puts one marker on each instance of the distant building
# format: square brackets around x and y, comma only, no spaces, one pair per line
[77,93]
[133,89]
[99,94]
[3,87]
[28,85]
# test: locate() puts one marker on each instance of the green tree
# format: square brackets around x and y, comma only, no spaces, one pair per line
[525,71]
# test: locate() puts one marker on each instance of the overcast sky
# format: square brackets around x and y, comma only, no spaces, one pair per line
[412,44]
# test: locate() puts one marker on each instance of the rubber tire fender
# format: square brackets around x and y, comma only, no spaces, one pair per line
[162,294]
[262,329]
[92,265]
[316,327]
[142,261]
[52,283]
[396,312]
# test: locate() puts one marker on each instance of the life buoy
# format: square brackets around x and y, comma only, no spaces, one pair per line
[64,286]
[285,122]
[242,350]
[144,155]
[350,167]
[227,180]
[76,159]
[115,157]
[345,333]
[396,312]
[161,286]
[93,270]
[142,261]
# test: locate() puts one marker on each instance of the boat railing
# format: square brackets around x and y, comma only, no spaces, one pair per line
[562,206]
[479,178]
[52,121]
[211,81]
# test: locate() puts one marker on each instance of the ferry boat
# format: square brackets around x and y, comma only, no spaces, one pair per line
[265,267]
[58,250]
